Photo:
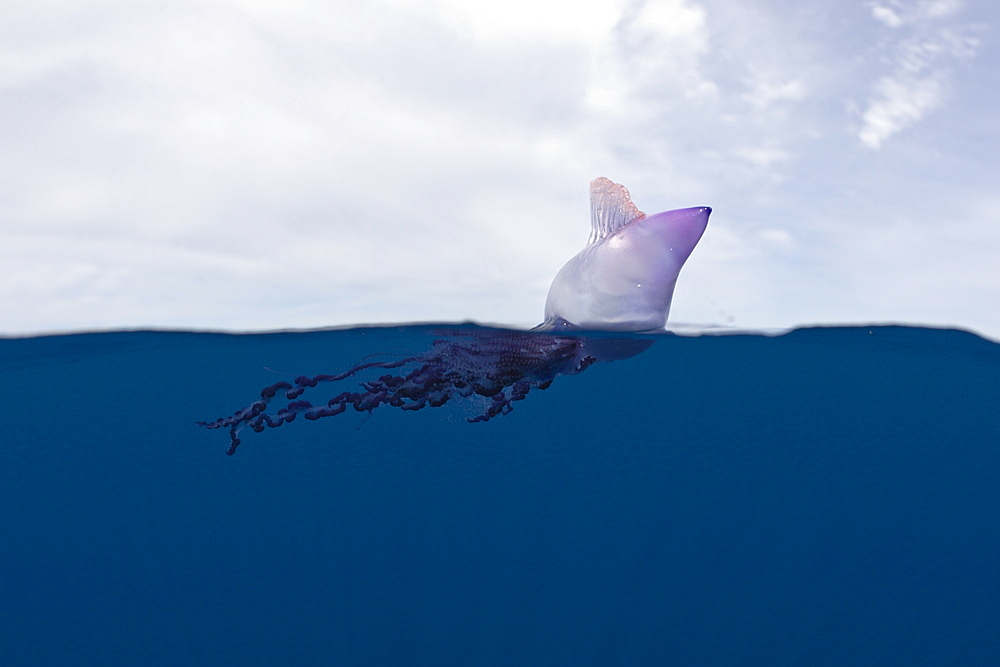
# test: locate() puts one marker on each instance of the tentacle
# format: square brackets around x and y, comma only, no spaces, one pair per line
[502,367]
[255,415]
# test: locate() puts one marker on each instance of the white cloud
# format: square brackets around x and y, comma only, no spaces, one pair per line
[896,104]
[887,15]
[918,80]
[938,8]
[655,46]
[570,20]
[766,92]
[763,157]
[897,13]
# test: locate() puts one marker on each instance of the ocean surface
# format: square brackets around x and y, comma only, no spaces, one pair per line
[828,496]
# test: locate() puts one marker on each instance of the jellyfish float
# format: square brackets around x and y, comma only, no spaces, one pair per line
[622,280]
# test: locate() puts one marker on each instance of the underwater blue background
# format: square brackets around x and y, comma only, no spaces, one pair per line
[828,496]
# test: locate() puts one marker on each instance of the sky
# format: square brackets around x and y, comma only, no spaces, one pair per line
[254,165]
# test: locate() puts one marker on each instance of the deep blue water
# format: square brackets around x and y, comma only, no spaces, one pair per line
[829,496]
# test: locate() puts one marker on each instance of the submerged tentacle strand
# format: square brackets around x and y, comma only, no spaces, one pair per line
[500,366]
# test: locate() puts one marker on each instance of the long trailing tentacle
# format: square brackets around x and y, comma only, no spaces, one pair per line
[255,415]
[502,367]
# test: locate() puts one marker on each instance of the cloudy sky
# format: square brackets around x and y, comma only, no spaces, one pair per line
[249,164]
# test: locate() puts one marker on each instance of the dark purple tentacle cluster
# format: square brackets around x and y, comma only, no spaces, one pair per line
[501,366]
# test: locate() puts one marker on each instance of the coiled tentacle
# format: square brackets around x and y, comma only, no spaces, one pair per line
[502,366]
